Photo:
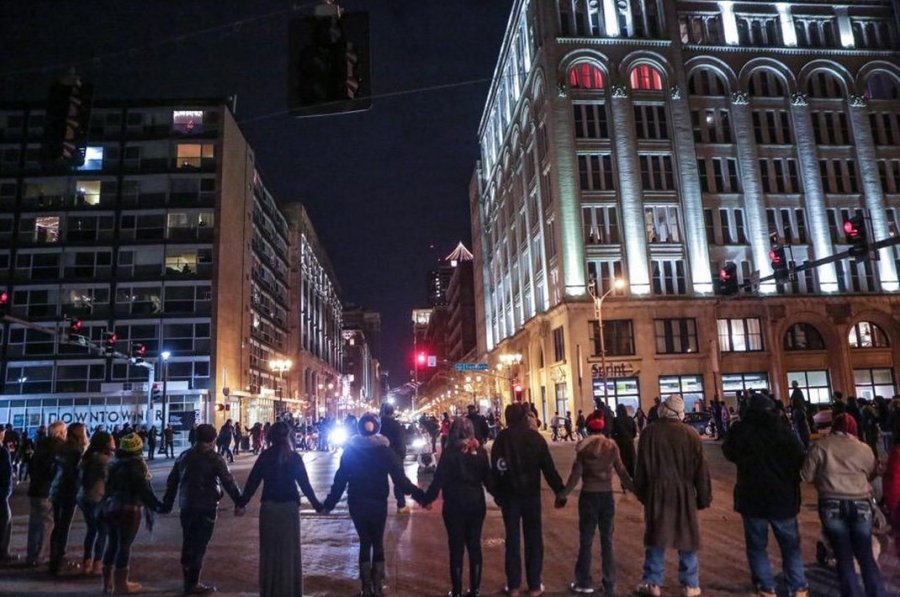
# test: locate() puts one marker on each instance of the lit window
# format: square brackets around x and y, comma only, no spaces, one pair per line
[46,229]
[866,334]
[646,78]
[87,192]
[585,76]
[191,155]
[93,158]
[187,122]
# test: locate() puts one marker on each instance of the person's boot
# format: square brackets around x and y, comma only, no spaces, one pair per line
[456,582]
[107,580]
[122,585]
[87,567]
[97,569]
[365,579]
[474,580]
[192,584]
[378,579]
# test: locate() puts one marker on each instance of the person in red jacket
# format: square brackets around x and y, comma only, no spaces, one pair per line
[891,486]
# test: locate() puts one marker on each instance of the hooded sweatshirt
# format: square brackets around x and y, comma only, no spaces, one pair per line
[365,466]
[595,458]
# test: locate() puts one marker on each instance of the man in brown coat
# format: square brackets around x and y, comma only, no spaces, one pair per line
[672,482]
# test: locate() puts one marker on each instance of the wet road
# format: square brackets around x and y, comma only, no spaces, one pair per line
[416,544]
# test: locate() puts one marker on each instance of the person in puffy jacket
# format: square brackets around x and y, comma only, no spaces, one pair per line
[366,464]
[595,458]
[63,492]
[462,474]
[198,477]
[40,518]
[519,457]
[93,470]
[127,492]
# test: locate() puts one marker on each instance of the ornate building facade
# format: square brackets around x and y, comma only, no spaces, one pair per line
[654,141]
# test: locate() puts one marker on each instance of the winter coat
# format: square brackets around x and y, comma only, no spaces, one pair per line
[518,458]
[198,476]
[280,474]
[128,484]
[595,458]
[6,473]
[840,466]
[891,481]
[672,482]
[768,458]
[41,467]
[94,471]
[462,475]
[64,487]
[365,466]
[395,434]
[480,425]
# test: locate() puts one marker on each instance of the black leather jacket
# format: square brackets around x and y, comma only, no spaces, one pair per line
[198,477]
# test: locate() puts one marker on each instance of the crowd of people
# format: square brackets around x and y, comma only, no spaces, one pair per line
[105,477]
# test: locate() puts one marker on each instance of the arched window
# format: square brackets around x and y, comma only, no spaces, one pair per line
[766,83]
[882,86]
[823,84]
[866,334]
[585,75]
[803,336]
[646,78]
[706,81]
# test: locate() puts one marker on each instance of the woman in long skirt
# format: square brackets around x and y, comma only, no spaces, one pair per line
[280,470]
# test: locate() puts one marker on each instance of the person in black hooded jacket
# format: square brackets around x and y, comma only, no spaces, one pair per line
[365,466]
[463,473]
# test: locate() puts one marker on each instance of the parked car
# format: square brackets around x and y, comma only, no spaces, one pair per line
[701,422]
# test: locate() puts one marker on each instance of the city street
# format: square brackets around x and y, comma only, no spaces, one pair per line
[416,548]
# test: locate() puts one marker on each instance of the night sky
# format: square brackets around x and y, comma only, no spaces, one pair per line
[387,189]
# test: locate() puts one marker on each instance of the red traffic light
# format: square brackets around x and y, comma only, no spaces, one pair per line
[850,229]
[421,358]
[75,326]
[724,275]
[111,338]
[775,257]
[139,350]
[4,298]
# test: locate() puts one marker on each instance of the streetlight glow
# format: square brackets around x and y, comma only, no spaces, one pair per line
[165,355]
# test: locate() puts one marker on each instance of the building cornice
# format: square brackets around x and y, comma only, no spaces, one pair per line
[782,51]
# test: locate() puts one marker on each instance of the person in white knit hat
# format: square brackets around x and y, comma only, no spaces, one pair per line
[672,482]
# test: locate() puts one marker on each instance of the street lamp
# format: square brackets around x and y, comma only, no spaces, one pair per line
[619,284]
[164,355]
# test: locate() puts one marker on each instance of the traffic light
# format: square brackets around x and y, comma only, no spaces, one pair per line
[66,122]
[71,331]
[857,237]
[138,351]
[329,65]
[156,392]
[778,261]
[109,343]
[421,359]
[728,281]
[517,392]
[4,303]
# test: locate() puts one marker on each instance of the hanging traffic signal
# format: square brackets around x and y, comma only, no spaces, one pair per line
[4,303]
[857,237]
[109,343]
[156,392]
[138,351]
[421,359]
[329,64]
[728,281]
[66,122]
[779,261]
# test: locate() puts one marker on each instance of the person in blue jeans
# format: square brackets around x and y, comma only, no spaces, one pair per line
[841,466]
[768,456]
[671,480]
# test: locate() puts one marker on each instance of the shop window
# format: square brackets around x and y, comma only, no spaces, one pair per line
[689,386]
[618,390]
[742,382]
[866,334]
[869,383]
[585,76]
[813,384]
[803,336]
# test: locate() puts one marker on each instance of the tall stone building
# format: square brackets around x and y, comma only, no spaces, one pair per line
[657,141]
[168,238]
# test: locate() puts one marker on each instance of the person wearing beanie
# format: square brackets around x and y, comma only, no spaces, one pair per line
[198,478]
[128,491]
[281,470]
[672,482]
[840,466]
[768,456]
[595,458]
[366,464]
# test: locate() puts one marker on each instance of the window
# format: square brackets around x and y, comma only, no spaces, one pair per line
[874,382]
[803,336]
[700,29]
[138,300]
[194,155]
[758,31]
[882,86]
[771,127]
[79,378]
[187,122]
[591,121]
[661,224]
[885,128]
[675,336]
[718,175]
[689,386]
[711,126]
[866,334]
[839,176]
[601,226]
[831,128]
[650,122]
[740,335]
[742,382]
[618,337]
[605,272]
[656,172]
[813,384]
[595,172]
[823,84]
[646,78]
[707,82]
[585,75]
[765,83]
[889,174]
[93,158]
[559,346]
[618,390]
[46,229]
[668,277]
[779,175]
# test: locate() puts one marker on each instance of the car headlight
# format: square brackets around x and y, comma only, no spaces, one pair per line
[418,443]
[337,436]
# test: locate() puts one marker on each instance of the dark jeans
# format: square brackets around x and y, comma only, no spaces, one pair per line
[595,510]
[197,529]
[848,527]
[170,450]
[63,512]
[40,524]
[151,450]
[399,495]
[787,533]
[95,538]
[224,450]
[5,526]
[464,534]
[523,513]
[369,517]
[123,523]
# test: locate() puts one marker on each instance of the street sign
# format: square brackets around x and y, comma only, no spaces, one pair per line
[471,366]
[432,360]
